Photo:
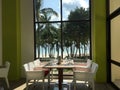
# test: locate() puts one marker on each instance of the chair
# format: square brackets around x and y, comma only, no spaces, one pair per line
[37,62]
[4,72]
[33,75]
[52,62]
[88,64]
[87,76]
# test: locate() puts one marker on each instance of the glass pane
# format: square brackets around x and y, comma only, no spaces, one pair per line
[76,39]
[114,4]
[46,10]
[80,7]
[115,75]
[115,36]
[48,40]
[76,34]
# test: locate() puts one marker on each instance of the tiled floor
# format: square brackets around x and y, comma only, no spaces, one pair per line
[20,85]
[117,82]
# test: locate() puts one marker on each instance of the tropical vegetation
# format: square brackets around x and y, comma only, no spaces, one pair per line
[75,32]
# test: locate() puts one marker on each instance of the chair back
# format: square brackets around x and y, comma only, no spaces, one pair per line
[31,74]
[26,67]
[89,62]
[4,71]
[31,66]
[7,64]
[37,62]
[94,68]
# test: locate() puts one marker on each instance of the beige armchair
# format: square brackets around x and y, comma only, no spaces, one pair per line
[4,72]
[39,65]
[87,76]
[33,76]
[34,73]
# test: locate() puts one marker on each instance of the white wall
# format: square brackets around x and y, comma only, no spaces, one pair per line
[27,35]
[0,32]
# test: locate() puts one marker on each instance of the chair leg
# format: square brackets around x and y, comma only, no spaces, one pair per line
[69,87]
[74,84]
[93,85]
[52,74]
[6,79]
[26,84]
[43,83]
[48,80]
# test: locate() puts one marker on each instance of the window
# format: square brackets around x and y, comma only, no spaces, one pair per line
[62,28]
[113,21]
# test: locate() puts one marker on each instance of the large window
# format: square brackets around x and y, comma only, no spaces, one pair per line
[113,22]
[62,28]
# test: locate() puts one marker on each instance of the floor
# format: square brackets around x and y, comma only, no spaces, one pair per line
[20,85]
[117,82]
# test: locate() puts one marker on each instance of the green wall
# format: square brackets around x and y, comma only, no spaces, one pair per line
[99,38]
[11,36]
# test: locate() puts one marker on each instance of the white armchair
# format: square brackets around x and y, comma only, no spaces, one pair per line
[35,72]
[87,76]
[33,75]
[87,64]
[4,72]
[38,64]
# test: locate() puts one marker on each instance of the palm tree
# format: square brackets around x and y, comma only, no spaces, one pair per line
[43,29]
[38,4]
[49,31]
[77,32]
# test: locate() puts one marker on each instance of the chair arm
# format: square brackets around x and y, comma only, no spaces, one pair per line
[79,69]
[46,71]
[3,66]
[83,75]
[2,69]
[3,72]
[34,75]
[82,72]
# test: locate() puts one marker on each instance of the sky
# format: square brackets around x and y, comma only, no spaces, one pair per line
[68,5]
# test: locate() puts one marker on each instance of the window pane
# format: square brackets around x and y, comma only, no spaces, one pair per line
[47,10]
[76,39]
[78,6]
[115,36]
[114,4]
[62,28]
[48,40]
[115,75]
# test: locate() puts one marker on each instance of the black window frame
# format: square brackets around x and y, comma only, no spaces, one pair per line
[109,17]
[61,28]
